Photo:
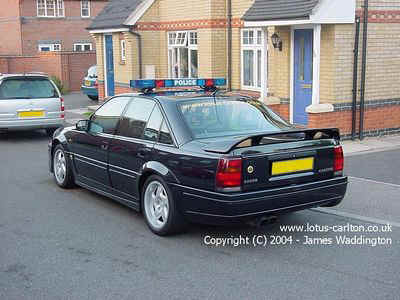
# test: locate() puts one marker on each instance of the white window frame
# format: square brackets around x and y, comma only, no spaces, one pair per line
[52,47]
[123,50]
[258,44]
[88,8]
[83,46]
[58,6]
[182,39]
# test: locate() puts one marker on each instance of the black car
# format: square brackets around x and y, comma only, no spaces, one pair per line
[202,157]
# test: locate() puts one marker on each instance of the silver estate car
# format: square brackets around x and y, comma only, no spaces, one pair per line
[30,101]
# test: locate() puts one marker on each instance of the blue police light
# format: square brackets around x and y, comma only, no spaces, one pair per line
[182,82]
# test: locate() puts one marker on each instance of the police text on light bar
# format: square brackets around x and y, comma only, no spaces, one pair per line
[181,82]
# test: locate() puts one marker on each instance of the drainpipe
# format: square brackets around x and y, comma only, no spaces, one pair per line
[355,79]
[139,38]
[229,45]
[363,68]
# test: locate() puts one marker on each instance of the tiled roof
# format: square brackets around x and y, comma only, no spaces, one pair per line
[265,10]
[114,14]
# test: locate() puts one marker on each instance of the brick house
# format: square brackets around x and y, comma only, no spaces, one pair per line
[29,26]
[295,55]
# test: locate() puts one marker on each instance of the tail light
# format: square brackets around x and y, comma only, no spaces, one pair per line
[338,159]
[62,108]
[229,174]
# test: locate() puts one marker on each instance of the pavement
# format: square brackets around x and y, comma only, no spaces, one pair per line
[371,144]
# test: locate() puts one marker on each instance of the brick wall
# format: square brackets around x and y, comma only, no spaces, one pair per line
[279,64]
[3,65]
[49,63]
[10,28]
[281,109]
[383,63]
[70,67]
[21,29]
[378,120]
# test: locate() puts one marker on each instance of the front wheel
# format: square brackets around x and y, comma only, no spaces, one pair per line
[159,207]
[61,168]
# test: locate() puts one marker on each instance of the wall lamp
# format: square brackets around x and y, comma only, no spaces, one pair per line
[276,41]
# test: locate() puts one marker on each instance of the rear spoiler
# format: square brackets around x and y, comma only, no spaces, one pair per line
[227,146]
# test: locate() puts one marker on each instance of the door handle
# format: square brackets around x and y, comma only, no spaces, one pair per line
[104,146]
[142,153]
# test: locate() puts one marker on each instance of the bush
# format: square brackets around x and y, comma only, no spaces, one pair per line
[61,87]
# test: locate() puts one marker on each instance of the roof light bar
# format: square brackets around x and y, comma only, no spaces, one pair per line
[182,82]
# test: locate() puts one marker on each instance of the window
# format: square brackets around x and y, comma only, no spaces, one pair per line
[135,118]
[165,135]
[153,126]
[92,72]
[50,8]
[253,54]
[85,8]
[106,117]
[82,47]
[182,54]
[123,50]
[208,118]
[27,88]
[49,47]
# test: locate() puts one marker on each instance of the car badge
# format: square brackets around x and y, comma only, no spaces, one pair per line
[250,169]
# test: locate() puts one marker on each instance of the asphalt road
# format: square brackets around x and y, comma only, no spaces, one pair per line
[74,244]
[77,100]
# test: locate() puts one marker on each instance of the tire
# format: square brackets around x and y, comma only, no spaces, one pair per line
[94,98]
[159,207]
[62,169]
[50,131]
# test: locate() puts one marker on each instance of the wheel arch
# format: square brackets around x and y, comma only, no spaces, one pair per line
[54,144]
[154,168]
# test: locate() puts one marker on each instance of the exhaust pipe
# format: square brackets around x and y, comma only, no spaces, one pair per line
[263,221]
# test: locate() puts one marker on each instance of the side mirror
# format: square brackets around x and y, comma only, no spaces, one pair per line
[82,125]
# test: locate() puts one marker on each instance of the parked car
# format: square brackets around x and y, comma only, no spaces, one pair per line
[89,84]
[30,101]
[202,157]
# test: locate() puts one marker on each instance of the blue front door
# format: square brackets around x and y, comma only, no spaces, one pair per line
[109,65]
[303,74]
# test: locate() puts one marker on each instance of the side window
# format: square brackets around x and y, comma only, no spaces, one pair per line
[135,118]
[165,135]
[153,126]
[106,117]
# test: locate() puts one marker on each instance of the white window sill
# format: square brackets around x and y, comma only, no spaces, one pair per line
[250,88]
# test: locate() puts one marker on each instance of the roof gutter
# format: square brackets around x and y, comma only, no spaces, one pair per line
[139,38]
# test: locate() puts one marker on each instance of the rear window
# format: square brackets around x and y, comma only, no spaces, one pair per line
[226,116]
[92,72]
[27,88]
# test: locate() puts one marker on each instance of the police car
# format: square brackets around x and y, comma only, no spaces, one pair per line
[201,156]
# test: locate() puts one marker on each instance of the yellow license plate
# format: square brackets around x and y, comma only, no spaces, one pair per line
[88,83]
[292,166]
[30,114]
